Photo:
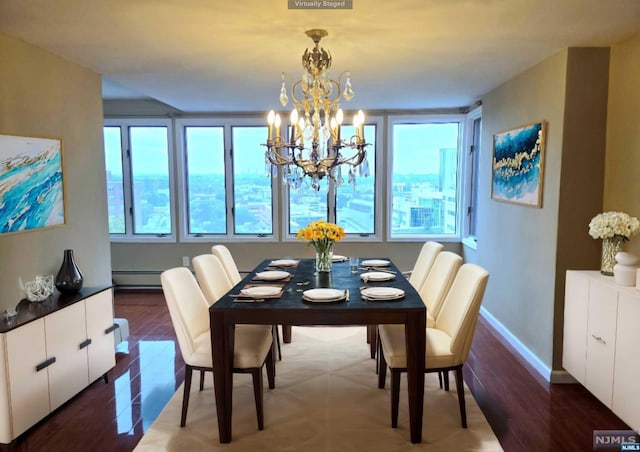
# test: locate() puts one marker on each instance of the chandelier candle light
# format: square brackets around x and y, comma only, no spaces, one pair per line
[613,228]
[322,235]
[315,147]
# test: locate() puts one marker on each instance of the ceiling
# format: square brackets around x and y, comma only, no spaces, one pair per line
[221,56]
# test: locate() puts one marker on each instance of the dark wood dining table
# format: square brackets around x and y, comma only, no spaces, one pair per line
[290,308]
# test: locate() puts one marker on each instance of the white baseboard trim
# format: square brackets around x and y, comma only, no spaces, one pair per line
[522,349]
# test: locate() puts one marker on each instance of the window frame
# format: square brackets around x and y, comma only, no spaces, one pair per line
[424,119]
[471,179]
[378,122]
[125,123]
[227,124]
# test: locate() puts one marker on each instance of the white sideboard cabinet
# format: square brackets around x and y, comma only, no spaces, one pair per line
[601,336]
[50,352]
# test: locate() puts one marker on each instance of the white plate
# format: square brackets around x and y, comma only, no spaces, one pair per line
[339,258]
[377,276]
[323,294]
[375,263]
[284,262]
[382,293]
[261,291]
[272,275]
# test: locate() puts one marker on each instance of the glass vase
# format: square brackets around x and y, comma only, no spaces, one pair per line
[610,247]
[324,257]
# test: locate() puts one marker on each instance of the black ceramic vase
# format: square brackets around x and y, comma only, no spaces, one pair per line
[69,279]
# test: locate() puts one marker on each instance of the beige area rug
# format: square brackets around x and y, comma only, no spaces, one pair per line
[326,399]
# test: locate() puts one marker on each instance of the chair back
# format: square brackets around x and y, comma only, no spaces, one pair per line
[212,277]
[439,280]
[229,264]
[459,313]
[187,308]
[423,264]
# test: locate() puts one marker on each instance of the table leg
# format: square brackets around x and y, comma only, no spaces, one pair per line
[286,334]
[222,341]
[415,336]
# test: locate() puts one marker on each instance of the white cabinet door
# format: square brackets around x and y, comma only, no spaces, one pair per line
[99,310]
[626,385]
[29,387]
[65,333]
[576,302]
[601,340]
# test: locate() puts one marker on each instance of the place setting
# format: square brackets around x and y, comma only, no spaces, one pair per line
[282,263]
[376,265]
[272,275]
[325,295]
[258,293]
[381,293]
[377,276]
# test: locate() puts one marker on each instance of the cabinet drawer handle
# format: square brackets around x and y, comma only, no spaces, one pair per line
[85,344]
[599,339]
[113,327]
[45,364]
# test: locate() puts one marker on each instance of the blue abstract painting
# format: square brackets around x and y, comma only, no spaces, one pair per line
[31,188]
[518,164]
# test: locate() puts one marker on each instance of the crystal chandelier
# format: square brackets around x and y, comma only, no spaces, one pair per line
[315,147]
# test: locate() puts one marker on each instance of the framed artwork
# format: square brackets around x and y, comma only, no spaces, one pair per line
[518,165]
[31,185]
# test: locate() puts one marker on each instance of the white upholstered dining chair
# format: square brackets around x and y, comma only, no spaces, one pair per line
[232,272]
[416,277]
[211,276]
[448,342]
[437,283]
[228,262]
[424,262]
[188,309]
[433,291]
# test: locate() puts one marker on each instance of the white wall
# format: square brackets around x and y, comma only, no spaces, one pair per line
[42,95]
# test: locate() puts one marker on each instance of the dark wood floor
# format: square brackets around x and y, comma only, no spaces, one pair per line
[526,413]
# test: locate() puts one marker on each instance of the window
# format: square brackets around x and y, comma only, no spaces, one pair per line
[149,154]
[472,169]
[225,192]
[252,192]
[423,180]
[138,164]
[205,176]
[115,181]
[223,183]
[354,210]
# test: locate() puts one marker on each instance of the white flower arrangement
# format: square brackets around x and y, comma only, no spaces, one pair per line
[607,225]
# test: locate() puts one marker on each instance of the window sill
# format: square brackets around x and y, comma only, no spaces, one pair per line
[470,242]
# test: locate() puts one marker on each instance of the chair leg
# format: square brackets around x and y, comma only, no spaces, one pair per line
[278,342]
[257,393]
[271,368]
[440,379]
[275,342]
[201,380]
[188,372]
[395,396]
[382,369]
[460,387]
[445,376]
[379,351]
